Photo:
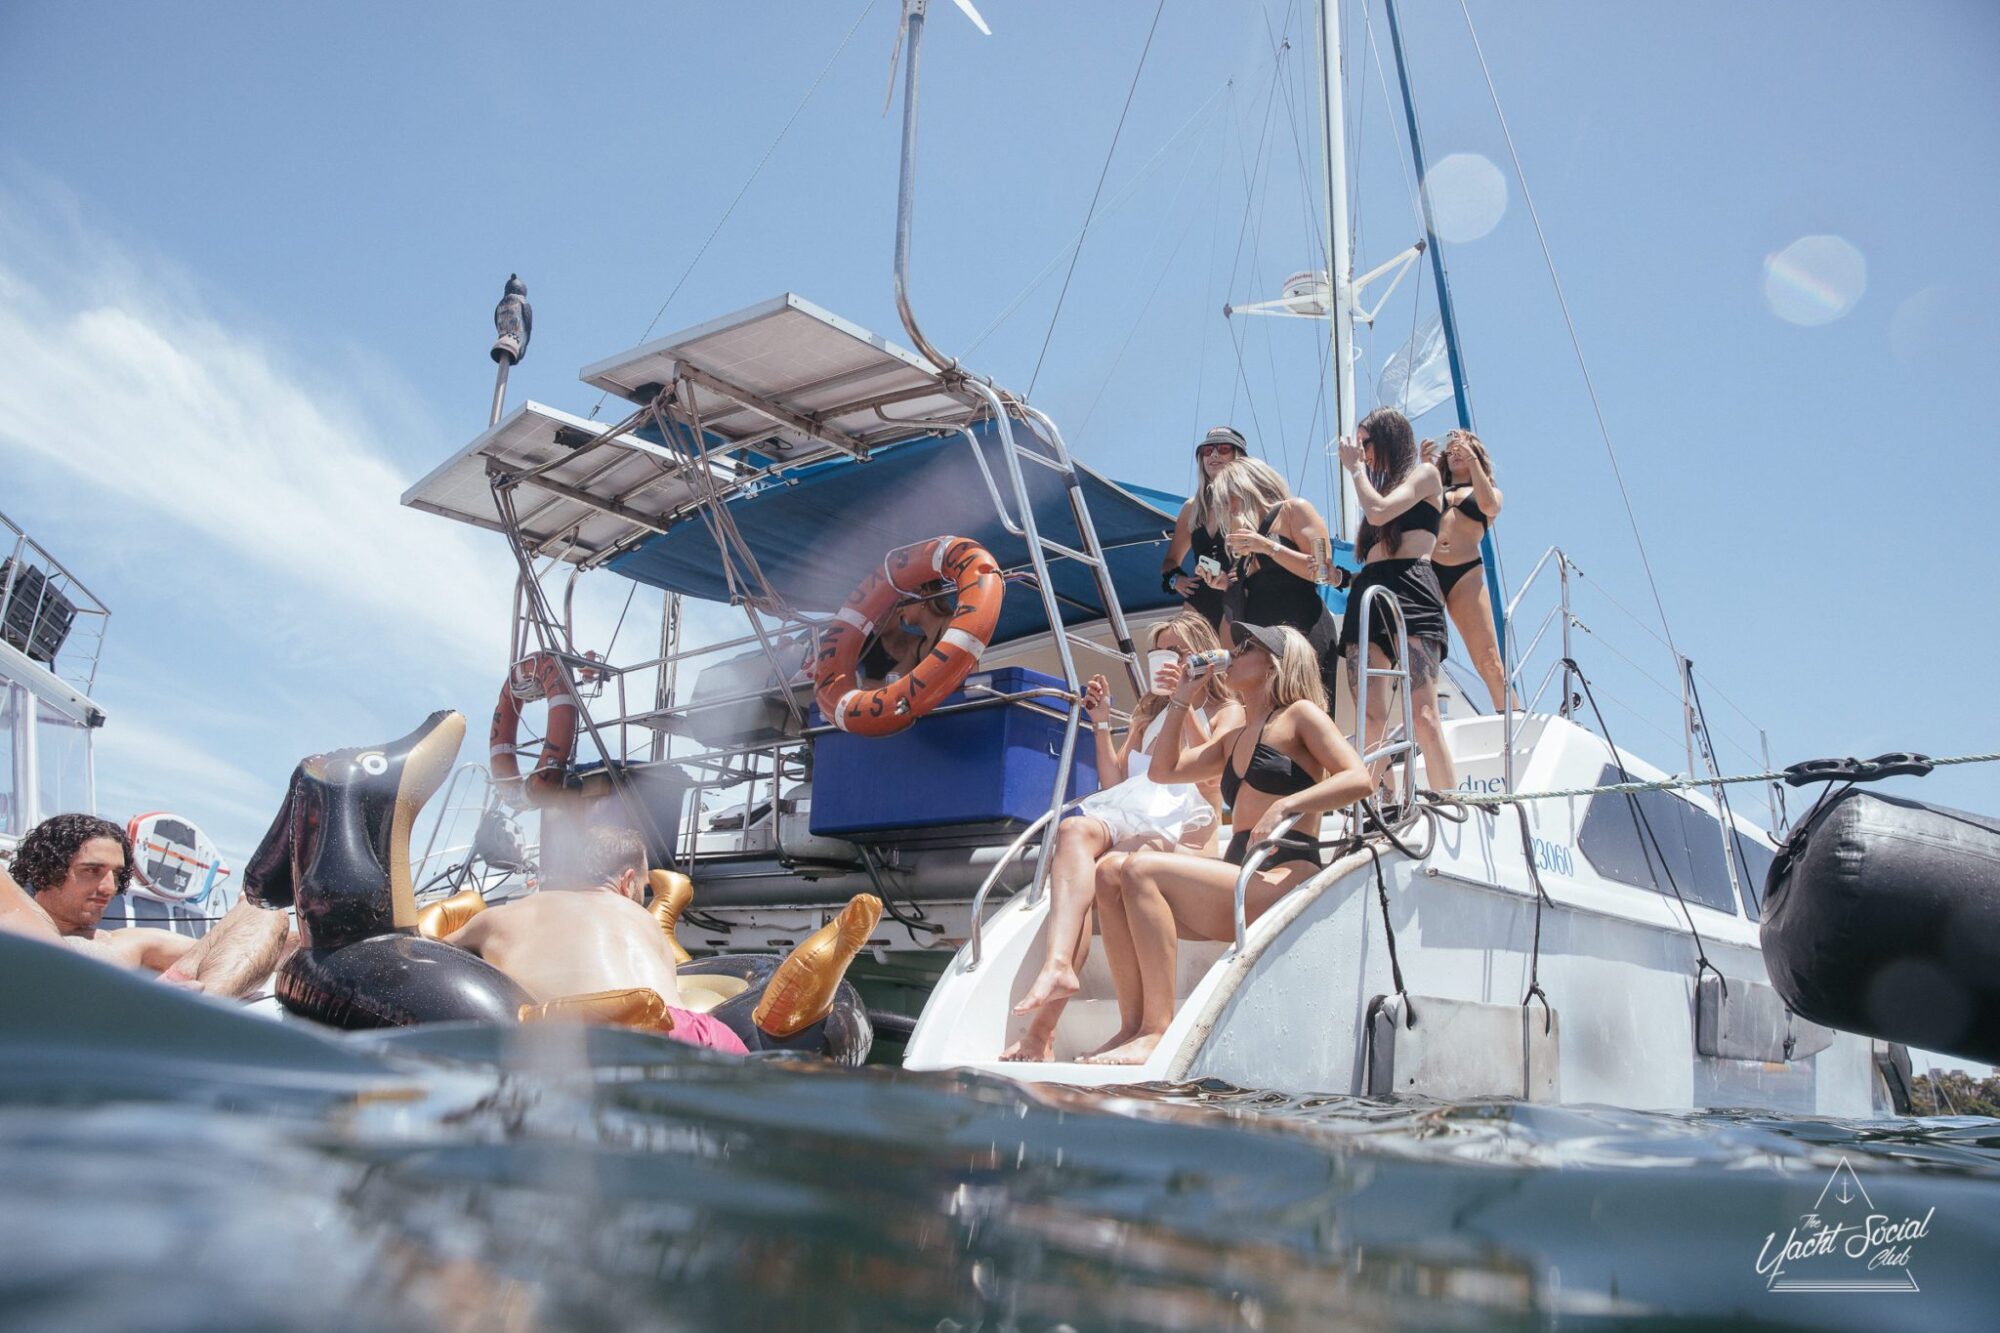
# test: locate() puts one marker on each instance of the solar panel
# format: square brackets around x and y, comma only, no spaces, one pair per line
[807,375]
[597,495]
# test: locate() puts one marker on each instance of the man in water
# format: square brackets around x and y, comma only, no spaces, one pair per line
[590,935]
[70,867]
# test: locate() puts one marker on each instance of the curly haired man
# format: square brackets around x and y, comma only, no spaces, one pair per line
[69,868]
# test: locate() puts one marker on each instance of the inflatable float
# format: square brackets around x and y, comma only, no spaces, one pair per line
[338,853]
[1882,916]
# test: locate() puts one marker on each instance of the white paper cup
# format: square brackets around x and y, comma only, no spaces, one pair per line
[1156,659]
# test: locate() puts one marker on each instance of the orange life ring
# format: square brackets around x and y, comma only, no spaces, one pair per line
[885,711]
[537,676]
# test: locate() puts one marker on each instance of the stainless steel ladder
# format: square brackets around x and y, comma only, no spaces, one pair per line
[1040,549]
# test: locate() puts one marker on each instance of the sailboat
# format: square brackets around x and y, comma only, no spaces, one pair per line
[1600,947]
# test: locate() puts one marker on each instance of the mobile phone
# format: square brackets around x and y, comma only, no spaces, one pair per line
[1207,568]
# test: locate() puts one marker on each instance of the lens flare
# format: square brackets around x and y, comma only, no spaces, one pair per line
[1814,280]
[1467,195]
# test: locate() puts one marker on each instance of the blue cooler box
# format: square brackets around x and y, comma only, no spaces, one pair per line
[987,766]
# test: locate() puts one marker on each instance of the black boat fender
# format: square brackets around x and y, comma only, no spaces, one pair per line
[1882,916]
[339,852]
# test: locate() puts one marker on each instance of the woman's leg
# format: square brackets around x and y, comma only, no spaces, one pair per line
[1164,895]
[1438,769]
[1080,840]
[1381,696]
[1472,611]
[1120,955]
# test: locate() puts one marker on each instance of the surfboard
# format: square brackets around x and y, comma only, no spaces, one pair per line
[172,859]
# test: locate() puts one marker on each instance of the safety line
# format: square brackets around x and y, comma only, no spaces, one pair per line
[1666,784]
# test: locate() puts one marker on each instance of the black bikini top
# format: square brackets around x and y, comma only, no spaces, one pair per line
[1469,507]
[1272,772]
[1423,516]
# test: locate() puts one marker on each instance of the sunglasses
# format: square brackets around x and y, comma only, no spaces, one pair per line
[1218,446]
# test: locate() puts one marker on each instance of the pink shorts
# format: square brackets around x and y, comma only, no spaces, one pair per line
[703,1030]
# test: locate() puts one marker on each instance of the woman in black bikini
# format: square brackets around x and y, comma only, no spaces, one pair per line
[1286,758]
[1400,497]
[1471,503]
[1200,526]
[1274,541]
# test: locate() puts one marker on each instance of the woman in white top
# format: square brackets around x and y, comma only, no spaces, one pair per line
[1128,813]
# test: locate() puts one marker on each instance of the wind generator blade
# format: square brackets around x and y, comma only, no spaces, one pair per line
[1417,375]
[965,8]
[895,54]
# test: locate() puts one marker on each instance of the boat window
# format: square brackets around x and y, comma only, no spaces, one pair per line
[62,762]
[1615,844]
[10,783]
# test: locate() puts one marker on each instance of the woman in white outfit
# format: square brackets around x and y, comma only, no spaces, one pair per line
[1129,812]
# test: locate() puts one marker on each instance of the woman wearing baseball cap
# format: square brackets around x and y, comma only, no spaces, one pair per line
[1199,528]
[1285,758]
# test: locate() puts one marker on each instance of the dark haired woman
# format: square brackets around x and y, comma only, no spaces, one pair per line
[1401,499]
[1471,503]
[1200,527]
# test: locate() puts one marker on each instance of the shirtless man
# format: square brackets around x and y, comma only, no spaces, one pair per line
[592,935]
[72,865]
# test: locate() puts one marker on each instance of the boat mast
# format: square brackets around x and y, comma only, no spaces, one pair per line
[1446,317]
[1340,309]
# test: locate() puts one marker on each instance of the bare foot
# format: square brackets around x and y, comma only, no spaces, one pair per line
[1031,1047]
[1134,1052]
[1124,1035]
[1056,982]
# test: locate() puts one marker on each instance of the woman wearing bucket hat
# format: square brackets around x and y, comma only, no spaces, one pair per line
[1199,529]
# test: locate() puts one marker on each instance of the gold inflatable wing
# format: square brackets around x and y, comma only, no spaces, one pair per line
[639,1007]
[801,991]
[446,915]
[672,892]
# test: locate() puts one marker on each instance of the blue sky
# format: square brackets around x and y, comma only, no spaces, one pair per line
[248,255]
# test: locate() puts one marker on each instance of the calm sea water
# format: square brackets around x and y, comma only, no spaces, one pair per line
[170,1164]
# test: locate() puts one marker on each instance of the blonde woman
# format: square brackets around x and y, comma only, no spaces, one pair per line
[1284,758]
[1132,809]
[1471,503]
[1275,539]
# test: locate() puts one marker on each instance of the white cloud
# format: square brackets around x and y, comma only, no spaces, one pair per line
[121,379]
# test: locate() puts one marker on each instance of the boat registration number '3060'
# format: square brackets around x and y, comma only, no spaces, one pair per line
[1553,856]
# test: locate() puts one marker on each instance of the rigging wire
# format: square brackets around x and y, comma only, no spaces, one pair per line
[1576,344]
[1165,267]
[1281,41]
[1204,312]
[1104,171]
[1111,205]
[748,181]
[1235,265]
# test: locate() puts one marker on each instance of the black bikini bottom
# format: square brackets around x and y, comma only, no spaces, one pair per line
[1449,575]
[1290,848]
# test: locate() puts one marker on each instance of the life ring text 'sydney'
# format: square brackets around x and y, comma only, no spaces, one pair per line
[887,710]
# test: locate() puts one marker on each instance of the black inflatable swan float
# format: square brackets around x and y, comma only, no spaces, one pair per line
[1882,916]
[338,852]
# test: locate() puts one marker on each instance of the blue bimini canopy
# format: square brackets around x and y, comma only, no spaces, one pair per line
[820,530]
